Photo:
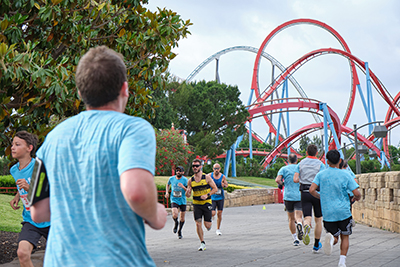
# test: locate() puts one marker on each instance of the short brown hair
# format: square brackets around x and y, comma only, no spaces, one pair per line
[30,139]
[100,75]
[197,160]
[312,150]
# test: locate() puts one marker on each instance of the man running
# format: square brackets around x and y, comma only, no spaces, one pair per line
[292,198]
[178,184]
[203,187]
[219,197]
[305,174]
[334,185]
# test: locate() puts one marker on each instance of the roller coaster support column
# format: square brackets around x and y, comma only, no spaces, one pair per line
[371,108]
[287,117]
[280,115]
[328,121]
[216,70]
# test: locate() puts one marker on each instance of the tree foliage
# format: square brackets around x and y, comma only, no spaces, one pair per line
[211,113]
[172,151]
[41,43]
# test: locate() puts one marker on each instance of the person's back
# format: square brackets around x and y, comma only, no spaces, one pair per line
[308,168]
[291,191]
[84,174]
[334,186]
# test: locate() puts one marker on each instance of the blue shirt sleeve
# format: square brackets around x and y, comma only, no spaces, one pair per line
[316,179]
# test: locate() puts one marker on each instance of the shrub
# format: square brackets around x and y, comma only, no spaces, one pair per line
[7,181]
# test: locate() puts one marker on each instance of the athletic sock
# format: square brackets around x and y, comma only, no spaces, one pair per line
[294,237]
[316,243]
[204,242]
[176,222]
[342,259]
[181,225]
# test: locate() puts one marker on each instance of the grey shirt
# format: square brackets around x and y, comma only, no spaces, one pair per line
[308,168]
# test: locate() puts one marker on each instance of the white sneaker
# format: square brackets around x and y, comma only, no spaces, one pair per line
[341,265]
[218,232]
[202,247]
[328,244]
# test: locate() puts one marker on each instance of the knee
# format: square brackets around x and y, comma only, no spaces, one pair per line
[23,255]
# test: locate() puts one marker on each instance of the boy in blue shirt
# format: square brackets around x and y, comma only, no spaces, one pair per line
[335,204]
[292,198]
[23,149]
[178,184]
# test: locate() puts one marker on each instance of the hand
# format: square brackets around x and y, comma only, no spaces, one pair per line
[204,197]
[22,183]
[280,186]
[180,185]
[14,203]
[166,195]
[161,218]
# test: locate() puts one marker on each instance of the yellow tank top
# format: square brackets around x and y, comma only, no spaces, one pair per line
[199,189]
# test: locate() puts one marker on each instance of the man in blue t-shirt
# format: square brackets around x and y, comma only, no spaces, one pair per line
[100,166]
[333,186]
[292,198]
[178,184]
[23,149]
[218,198]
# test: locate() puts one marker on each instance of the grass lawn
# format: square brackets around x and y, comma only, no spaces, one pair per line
[10,219]
[258,180]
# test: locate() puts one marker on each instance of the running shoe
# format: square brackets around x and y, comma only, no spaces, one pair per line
[328,244]
[341,265]
[175,229]
[202,247]
[180,235]
[299,231]
[218,232]
[317,249]
[296,243]
[306,237]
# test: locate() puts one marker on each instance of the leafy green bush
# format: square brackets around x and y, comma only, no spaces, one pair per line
[7,181]
[4,166]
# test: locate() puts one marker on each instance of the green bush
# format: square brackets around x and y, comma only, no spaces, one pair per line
[7,181]
[4,166]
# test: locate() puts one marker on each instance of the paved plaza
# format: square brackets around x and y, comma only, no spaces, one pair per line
[254,236]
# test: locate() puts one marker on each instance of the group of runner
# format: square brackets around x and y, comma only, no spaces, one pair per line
[329,192]
[208,198]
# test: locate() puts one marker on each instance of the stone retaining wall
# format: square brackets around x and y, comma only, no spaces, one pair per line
[380,200]
[249,197]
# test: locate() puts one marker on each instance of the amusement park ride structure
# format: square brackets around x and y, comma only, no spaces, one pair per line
[265,105]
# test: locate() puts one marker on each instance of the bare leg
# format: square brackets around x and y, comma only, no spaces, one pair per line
[344,245]
[318,228]
[298,215]
[292,225]
[199,230]
[24,253]
[219,219]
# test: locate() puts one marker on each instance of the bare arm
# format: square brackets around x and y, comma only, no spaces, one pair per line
[278,179]
[139,190]
[189,188]
[14,202]
[211,183]
[167,191]
[313,190]
[296,177]
[224,182]
[40,211]
[357,194]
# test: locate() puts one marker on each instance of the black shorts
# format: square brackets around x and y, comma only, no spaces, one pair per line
[32,234]
[291,206]
[202,211]
[308,202]
[180,207]
[218,204]
[341,227]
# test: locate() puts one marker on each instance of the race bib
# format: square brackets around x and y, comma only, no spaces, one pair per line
[219,192]
[25,201]
[177,193]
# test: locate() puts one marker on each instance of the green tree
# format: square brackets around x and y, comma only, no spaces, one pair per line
[172,151]
[41,43]
[212,114]
[303,143]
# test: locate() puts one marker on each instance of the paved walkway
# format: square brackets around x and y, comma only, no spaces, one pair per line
[254,236]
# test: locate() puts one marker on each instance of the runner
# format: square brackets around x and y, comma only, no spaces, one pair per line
[178,185]
[219,197]
[333,186]
[203,187]
[305,173]
[292,198]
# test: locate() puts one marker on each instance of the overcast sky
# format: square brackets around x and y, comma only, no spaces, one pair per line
[371,28]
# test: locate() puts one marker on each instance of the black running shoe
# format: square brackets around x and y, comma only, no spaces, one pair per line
[299,231]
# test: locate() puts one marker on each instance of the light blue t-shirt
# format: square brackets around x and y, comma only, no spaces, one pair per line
[92,224]
[334,184]
[291,192]
[26,173]
[178,193]
[220,194]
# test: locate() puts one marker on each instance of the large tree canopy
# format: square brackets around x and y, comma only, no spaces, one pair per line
[211,113]
[41,43]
